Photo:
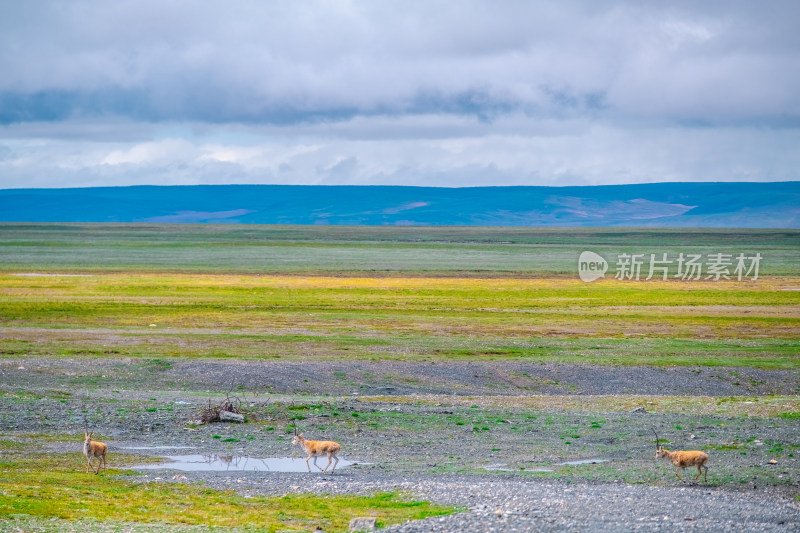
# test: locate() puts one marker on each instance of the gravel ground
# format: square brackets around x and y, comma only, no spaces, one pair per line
[437,452]
[398,377]
[507,504]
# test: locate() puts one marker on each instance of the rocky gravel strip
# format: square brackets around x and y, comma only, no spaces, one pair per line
[513,506]
[493,504]
[338,377]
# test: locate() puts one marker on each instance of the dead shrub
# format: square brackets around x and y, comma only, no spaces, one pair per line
[232,404]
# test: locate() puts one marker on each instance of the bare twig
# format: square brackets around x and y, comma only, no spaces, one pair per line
[232,404]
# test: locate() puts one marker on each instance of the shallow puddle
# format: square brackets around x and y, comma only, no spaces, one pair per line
[584,462]
[499,467]
[157,447]
[233,463]
[502,467]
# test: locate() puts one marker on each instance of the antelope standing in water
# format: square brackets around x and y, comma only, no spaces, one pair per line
[318,448]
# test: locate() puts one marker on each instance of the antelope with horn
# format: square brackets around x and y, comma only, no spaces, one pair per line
[92,449]
[683,459]
[318,448]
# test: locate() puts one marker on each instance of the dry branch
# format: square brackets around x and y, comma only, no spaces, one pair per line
[230,406]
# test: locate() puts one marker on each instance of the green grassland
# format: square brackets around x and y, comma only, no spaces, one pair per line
[366,249]
[50,485]
[144,296]
[224,315]
[378,292]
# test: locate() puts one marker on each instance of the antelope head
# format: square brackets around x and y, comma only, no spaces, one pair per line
[86,432]
[298,437]
[660,451]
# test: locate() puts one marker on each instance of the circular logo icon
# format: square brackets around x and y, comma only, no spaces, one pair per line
[591,266]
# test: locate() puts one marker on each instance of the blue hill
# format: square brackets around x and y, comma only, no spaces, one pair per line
[744,205]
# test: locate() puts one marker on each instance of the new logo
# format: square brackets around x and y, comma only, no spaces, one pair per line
[591,266]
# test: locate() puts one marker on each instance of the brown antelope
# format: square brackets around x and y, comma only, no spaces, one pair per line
[318,448]
[683,459]
[92,449]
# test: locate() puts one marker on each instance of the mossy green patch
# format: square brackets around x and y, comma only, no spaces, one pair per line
[50,485]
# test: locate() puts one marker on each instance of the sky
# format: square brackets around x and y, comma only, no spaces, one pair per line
[433,93]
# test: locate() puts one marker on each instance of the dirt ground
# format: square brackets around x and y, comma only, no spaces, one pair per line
[428,428]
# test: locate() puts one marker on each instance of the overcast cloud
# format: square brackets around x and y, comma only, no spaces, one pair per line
[415,93]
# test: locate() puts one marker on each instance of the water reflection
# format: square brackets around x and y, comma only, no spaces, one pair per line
[238,463]
[502,467]
[157,447]
[585,462]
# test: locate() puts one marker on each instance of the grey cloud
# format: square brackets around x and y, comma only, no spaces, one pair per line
[287,62]
[585,157]
[380,92]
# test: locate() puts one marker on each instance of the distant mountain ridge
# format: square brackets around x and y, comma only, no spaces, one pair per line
[704,204]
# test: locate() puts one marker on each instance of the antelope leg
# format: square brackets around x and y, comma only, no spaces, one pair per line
[334,464]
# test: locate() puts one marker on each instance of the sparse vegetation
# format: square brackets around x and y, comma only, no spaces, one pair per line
[366,357]
[50,485]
